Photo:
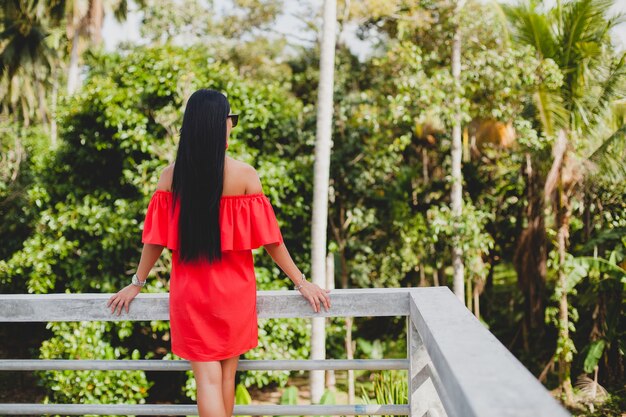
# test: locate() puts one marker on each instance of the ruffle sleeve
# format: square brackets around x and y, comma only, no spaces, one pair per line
[246,221]
[160,226]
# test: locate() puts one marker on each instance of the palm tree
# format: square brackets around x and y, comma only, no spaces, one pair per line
[575,35]
[28,58]
[84,22]
[32,41]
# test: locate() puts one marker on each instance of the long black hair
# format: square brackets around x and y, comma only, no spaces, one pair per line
[199,173]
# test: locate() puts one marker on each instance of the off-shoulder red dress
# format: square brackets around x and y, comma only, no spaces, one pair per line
[213,306]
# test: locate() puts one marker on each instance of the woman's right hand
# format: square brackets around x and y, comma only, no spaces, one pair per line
[315,295]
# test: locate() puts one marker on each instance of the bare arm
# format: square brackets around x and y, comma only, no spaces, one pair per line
[150,252]
[312,292]
[280,255]
[149,255]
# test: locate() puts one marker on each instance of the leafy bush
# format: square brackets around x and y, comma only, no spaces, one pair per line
[88,340]
[89,197]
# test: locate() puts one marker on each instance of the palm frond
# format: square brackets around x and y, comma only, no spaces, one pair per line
[617,115]
[611,269]
[550,110]
[610,85]
[528,26]
[609,157]
[604,237]
[589,84]
[590,389]
[27,57]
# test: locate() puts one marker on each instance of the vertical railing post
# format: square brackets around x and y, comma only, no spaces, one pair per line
[423,398]
[409,348]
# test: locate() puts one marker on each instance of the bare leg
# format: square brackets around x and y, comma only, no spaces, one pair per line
[229,367]
[208,377]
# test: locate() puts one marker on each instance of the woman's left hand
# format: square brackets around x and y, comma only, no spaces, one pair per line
[123,298]
[315,295]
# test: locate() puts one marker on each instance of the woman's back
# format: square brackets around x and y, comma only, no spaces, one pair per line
[239,178]
[213,304]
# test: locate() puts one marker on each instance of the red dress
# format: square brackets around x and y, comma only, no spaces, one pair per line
[213,306]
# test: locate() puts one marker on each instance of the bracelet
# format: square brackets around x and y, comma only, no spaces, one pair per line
[297,287]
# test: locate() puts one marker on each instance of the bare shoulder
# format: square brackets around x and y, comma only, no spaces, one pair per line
[249,176]
[165,180]
[253,182]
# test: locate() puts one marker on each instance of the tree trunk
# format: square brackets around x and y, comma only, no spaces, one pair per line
[95,21]
[53,110]
[349,344]
[468,293]
[425,165]
[478,288]
[456,198]
[423,282]
[41,100]
[559,193]
[72,74]
[323,146]
[564,362]
[89,26]
[531,256]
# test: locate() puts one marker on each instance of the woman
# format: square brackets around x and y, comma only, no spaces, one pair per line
[211,211]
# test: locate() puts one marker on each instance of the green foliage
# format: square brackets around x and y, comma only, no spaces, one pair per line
[190,387]
[72,216]
[501,79]
[328,398]
[599,278]
[289,396]
[89,340]
[467,231]
[564,346]
[278,339]
[592,68]
[593,355]
[390,387]
[371,350]
[23,151]
[242,396]
[613,406]
[31,35]
[88,198]
[600,283]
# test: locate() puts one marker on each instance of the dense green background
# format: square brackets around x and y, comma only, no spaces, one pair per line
[71,215]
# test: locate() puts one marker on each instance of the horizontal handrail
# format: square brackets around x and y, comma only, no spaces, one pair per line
[185,410]
[456,367]
[476,375]
[357,302]
[184,365]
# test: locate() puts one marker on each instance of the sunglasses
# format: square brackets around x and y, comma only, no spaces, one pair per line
[235,118]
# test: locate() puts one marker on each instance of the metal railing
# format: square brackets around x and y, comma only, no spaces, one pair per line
[456,367]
